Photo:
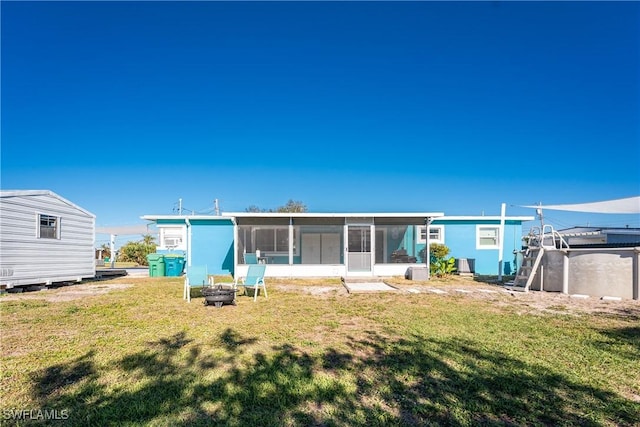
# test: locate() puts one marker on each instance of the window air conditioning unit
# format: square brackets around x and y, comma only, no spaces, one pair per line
[172,242]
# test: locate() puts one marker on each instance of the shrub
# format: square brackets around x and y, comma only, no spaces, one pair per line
[439,264]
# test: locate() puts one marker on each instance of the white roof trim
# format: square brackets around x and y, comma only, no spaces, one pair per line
[15,193]
[435,215]
[485,217]
[21,193]
[334,214]
[183,217]
[581,234]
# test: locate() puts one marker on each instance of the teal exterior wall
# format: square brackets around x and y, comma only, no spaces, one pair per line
[212,244]
[460,237]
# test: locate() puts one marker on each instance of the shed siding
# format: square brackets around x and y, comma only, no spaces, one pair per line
[26,259]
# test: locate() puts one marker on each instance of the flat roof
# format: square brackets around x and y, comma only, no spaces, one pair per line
[414,216]
[183,217]
[417,217]
[488,218]
[334,214]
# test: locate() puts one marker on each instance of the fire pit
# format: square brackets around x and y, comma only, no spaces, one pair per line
[217,295]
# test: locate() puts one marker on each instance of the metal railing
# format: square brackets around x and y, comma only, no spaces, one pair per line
[546,238]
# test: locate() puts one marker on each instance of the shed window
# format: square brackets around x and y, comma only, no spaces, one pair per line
[487,237]
[49,226]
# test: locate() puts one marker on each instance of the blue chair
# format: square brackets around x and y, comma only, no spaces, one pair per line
[197,275]
[254,280]
[250,259]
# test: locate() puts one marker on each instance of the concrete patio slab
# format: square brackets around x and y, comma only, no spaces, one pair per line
[357,287]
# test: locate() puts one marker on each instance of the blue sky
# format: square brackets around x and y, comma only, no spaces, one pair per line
[456,107]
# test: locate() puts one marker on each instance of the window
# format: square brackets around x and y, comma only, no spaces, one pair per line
[265,240]
[172,237]
[436,234]
[487,237]
[282,240]
[49,227]
[359,239]
[272,240]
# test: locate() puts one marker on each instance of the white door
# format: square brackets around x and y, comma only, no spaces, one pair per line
[359,249]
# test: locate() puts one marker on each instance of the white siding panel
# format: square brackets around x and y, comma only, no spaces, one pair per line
[25,259]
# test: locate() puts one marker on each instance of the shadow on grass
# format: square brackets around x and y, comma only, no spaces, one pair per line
[628,313]
[372,380]
[626,340]
[492,280]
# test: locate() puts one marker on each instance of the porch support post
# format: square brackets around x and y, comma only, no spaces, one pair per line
[372,246]
[291,241]
[112,247]
[188,224]
[427,252]
[345,249]
[236,235]
[636,273]
[503,210]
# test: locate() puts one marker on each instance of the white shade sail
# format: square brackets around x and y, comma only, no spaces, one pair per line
[629,205]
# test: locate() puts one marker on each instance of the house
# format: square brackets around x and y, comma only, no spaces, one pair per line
[579,236]
[337,244]
[44,239]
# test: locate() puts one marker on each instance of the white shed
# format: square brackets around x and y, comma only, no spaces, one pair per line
[44,239]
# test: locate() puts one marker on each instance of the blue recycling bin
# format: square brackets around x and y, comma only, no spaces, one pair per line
[173,264]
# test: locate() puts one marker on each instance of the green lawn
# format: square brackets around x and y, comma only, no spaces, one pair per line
[141,355]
